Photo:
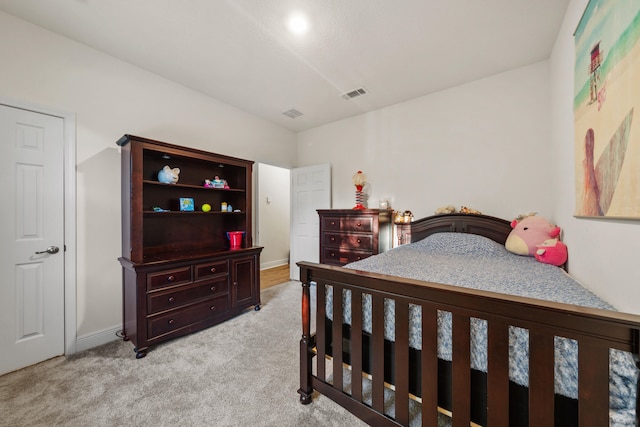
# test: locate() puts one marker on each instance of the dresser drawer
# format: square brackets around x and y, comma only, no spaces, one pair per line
[331,223]
[162,279]
[341,257]
[203,271]
[180,319]
[364,241]
[363,224]
[360,223]
[176,297]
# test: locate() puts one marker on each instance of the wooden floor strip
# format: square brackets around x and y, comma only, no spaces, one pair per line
[274,276]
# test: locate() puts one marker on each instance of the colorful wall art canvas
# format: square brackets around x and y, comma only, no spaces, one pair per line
[607,110]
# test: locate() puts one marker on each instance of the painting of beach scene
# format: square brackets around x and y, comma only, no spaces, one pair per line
[607,110]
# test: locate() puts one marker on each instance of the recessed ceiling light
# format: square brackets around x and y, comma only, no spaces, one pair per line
[298,23]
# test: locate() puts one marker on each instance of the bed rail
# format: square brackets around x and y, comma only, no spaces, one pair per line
[596,331]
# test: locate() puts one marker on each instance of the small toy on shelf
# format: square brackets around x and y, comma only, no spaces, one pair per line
[186,204]
[217,182]
[168,175]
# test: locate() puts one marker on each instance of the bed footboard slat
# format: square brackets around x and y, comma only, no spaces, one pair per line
[356,345]
[401,362]
[461,374]
[498,374]
[321,333]
[593,370]
[336,332]
[541,384]
[377,357]
[429,363]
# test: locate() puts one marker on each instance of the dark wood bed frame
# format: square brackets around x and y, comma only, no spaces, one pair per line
[468,395]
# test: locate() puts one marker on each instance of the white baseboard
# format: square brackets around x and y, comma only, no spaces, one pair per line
[271,264]
[98,338]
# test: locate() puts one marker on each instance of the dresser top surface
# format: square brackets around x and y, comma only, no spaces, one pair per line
[353,211]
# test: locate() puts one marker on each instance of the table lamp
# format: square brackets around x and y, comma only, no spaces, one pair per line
[359,180]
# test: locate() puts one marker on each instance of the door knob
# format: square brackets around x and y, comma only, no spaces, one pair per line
[50,250]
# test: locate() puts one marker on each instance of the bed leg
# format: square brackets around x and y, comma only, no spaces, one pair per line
[306,355]
[305,391]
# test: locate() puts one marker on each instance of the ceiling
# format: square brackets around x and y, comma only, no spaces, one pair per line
[241,52]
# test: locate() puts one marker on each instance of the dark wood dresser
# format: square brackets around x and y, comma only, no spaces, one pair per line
[348,235]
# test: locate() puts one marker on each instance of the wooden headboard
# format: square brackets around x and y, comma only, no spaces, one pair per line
[496,229]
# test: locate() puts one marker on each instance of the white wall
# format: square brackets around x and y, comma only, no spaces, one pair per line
[484,145]
[602,252]
[273,206]
[111,98]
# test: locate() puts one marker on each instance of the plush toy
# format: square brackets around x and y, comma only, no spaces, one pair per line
[529,232]
[466,210]
[552,251]
[168,175]
[445,210]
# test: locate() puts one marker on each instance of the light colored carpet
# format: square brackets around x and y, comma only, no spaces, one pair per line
[242,372]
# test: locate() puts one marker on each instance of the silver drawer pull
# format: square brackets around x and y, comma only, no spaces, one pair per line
[358,240]
[171,299]
[359,224]
[170,321]
[213,288]
[212,308]
[170,278]
[213,269]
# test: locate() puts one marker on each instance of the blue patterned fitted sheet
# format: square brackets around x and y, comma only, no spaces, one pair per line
[477,262]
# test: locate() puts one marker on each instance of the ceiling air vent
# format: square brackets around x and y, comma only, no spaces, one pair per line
[354,93]
[292,113]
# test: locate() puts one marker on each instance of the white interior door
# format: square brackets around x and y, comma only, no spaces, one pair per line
[32,236]
[310,190]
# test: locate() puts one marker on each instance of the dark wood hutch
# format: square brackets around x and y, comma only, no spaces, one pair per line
[179,273]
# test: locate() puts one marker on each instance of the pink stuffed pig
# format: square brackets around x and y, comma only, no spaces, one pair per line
[528,233]
[552,251]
